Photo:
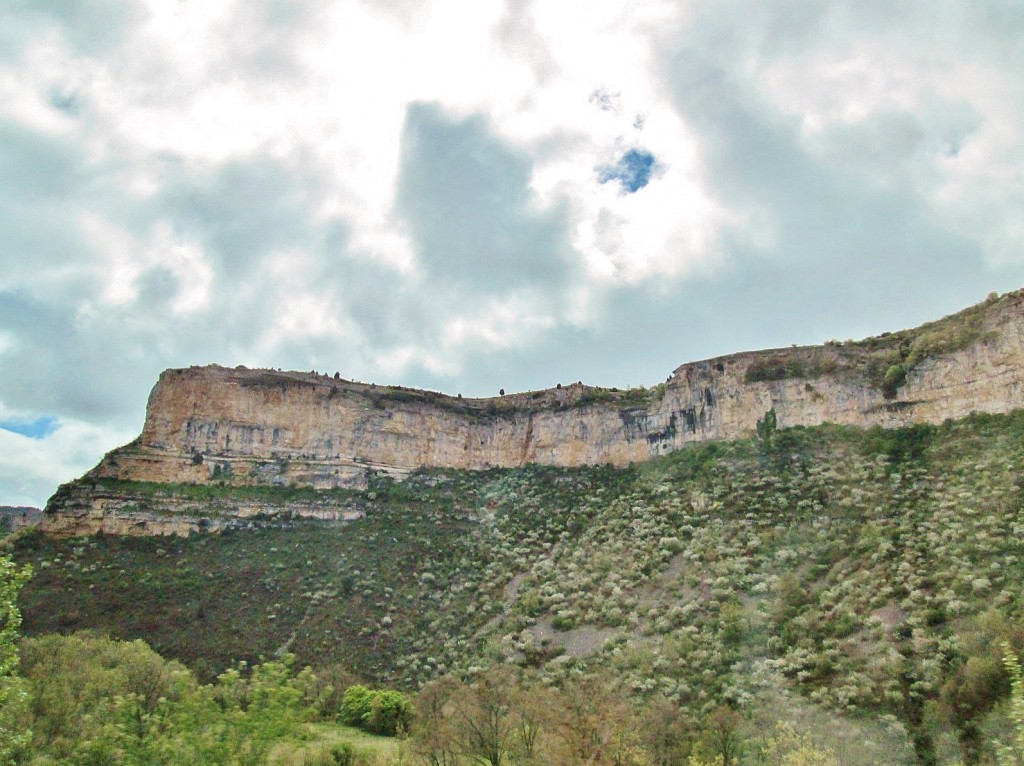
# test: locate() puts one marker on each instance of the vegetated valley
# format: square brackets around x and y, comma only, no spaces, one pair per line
[852,593]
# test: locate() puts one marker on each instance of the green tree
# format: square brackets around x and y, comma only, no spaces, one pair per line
[766,427]
[99,701]
[378,711]
[13,697]
[789,748]
[1013,753]
[356,705]
[84,687]
[390,713]
[969,693]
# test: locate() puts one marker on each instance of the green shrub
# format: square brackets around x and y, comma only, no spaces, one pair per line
[378,711]
[563,622]
[390,713]
[343,754]
[894,377]
[1014,752]
[356,705]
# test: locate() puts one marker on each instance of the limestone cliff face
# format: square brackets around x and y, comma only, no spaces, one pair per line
[265,427]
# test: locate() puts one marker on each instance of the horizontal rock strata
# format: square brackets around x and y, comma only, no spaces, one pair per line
[214,425]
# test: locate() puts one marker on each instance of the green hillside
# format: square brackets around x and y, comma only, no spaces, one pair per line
[858,581]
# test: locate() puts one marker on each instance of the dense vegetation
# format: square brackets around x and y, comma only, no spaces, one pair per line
[866,584]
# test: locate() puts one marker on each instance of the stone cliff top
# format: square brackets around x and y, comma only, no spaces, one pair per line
[860,358]
[572,394]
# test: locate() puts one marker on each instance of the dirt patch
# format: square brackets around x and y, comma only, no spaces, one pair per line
[890,616]
[656,590]
[512,587]
[578,642]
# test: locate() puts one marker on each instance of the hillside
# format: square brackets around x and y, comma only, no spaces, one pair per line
[217,427]
[858,580]
[824,536]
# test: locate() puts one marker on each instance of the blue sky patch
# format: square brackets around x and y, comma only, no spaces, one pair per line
[39,428]
[633,170]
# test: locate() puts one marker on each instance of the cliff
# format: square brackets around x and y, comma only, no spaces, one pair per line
[14,517]
[242,427]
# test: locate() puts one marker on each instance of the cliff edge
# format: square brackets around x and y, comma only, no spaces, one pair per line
[241,427]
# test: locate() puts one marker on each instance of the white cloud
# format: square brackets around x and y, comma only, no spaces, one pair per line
[219,180]
[30,469]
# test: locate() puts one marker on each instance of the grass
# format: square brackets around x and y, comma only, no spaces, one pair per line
[318,739]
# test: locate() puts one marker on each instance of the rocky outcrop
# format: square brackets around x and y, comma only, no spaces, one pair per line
[213,425]
[14,517]
[93,507]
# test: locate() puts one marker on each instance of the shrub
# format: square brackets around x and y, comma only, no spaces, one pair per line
[563,622]
[383,712]
[1014,752]
[894,377]
[355,705]
[390,713]
[343,754]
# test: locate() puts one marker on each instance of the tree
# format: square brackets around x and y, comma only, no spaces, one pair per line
[1014,752]
[434,738]
[789,748]
[13,696]
[767,426]
[912,709]
[969,693]
[532,710]
[390,713]
[665,733]
[484,717]
[75,681]
[977,680]
[355,706]
[722,733]
[378,711]
[596,726]
[580,721]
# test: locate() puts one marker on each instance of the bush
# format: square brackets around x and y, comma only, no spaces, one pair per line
[563,622]
[1014,752]
[343,754]
[383,712]
[355,705]
[895,377]
[390,713]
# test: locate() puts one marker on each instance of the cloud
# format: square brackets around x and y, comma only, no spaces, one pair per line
[245,209]
[605,101]
[89,26]
[465,198]
[31,466]
[506,195]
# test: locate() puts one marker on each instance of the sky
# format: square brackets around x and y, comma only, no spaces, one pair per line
[470,196]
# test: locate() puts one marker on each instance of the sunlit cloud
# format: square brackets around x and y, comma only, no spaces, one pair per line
[441,193]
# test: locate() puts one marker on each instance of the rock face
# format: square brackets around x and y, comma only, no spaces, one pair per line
[14,517]
[88,508]
[212,425]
